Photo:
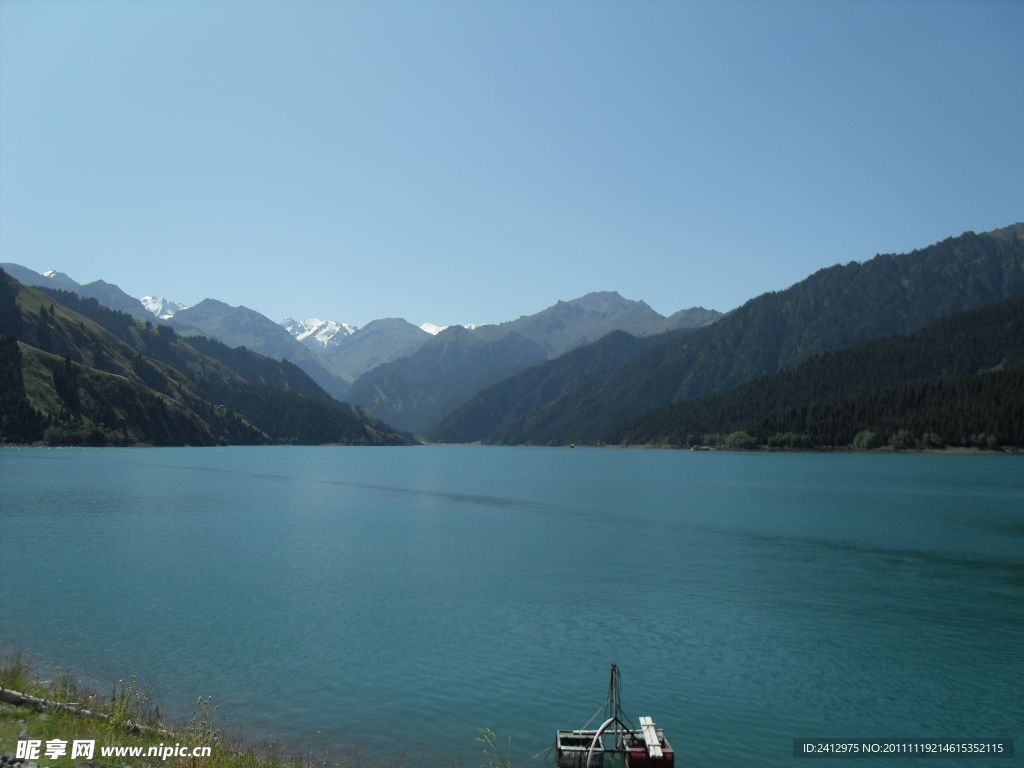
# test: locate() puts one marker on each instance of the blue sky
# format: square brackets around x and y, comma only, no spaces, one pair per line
[459,162]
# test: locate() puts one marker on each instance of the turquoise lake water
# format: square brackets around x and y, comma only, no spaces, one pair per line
[397,600]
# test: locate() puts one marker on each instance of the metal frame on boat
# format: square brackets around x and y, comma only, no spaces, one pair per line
[616,742]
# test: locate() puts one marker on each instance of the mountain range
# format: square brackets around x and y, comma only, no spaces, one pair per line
[833,308]
[161,307]
[315,333]
[416,391]
[78,373]
[244,327]
[338,355]
[605,369]
[105,293]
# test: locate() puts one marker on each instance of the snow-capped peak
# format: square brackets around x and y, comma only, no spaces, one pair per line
[433,330]
[161,307]
[316,333]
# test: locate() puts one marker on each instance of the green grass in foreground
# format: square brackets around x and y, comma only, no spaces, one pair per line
[128,706]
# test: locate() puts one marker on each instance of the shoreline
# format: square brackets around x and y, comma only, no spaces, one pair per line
[67,709]
[885,449]
[951,451]
[958,450]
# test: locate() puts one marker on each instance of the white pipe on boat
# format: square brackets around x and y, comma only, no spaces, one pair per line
[597,736]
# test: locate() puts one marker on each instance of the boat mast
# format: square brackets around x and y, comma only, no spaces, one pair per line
[613,707]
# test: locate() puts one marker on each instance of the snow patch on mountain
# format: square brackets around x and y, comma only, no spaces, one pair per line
[315,333]
[433,330]
[161,307]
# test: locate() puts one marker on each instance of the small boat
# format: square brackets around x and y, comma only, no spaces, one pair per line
[617,743]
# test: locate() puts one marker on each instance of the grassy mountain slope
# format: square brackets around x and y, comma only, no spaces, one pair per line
[20,422]
[493,411]
[220,370]
[834,308]
[45,324]
[92,388]
[186,354]
[965,344]
[157,343]
[90,407]
[87,387]
[415,392]
[154,368]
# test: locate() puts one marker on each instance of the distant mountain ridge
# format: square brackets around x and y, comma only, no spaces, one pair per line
[316,334]
[833,308]
[337,354]
[31,277]
[581,369]
[107,294]
[574,323]
[493,412]
[377,342]
[352,351]
[418,391]
[241,326]
[434,329]
[235,326]
[161,307]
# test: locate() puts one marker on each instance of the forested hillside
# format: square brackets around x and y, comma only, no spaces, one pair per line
[492,413]
[834,308]
[945,381]
[99,377]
